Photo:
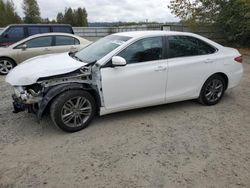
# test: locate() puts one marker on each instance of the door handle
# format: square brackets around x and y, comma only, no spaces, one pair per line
[47,49]
[160,68]
[209,61]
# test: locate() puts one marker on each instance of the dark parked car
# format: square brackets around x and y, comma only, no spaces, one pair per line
[15,33]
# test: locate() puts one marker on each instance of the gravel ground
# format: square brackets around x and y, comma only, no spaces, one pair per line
[183,144]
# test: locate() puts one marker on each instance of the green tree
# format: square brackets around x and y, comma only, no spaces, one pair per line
[80,16]
[69,17]
[198,11]
[85,18]
[8,13]
[60,18]
[234,20]
[31,11]
[230,16]
[75,17]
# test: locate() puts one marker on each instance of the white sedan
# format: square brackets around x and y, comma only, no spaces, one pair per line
[124,71]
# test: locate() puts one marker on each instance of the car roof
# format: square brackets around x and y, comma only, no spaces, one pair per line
[68,25]
[136,34]
[142,34]
[49,34]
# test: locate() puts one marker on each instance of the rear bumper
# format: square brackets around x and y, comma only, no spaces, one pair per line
[235,78]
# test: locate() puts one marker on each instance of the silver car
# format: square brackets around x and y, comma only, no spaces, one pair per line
[38,45]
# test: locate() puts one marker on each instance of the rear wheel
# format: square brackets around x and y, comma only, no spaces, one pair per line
[212,90]
[73,110]
[6,65]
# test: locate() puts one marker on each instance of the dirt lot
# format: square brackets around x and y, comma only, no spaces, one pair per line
[176,145]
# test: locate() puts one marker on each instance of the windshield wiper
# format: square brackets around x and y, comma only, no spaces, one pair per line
[92,62]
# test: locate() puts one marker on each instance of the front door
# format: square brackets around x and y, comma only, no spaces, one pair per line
[35,47]
[142,82]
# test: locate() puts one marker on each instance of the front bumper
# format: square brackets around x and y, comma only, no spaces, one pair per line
[20,106]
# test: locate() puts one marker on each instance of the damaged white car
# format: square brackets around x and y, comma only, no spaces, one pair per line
[124,71]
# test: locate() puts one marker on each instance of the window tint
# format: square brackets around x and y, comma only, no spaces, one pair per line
[65,40]
[62,29]
[37,30]
[39,42]
[180,46]
[143,50]
[15,32]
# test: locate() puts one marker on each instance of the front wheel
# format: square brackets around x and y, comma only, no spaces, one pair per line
[73,110]
[212,90]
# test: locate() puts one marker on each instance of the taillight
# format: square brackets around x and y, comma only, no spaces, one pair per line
[239,59]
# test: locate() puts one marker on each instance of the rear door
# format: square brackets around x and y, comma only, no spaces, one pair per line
[65,44]
[190,62]
[35,47]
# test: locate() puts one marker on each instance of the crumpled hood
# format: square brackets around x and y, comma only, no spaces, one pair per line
[31,70]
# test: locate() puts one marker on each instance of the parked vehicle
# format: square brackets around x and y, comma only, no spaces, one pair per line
[36,45]
[17,32]
[125,71]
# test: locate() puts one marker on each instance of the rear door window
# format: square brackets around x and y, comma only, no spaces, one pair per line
[15,32]
[65,40]
[183,46]
[37,30]
[61,29]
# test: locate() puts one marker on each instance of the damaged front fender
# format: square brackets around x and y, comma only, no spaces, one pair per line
[56,90]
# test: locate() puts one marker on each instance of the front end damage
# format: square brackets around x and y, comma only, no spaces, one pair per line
[37,97]
[27,98]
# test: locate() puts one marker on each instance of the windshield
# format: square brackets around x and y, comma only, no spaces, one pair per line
[3,30]
[100,48]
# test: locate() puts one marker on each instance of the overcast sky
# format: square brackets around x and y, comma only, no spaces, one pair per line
[108,10]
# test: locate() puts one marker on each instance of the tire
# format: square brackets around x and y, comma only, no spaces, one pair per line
[213,90]
[73,110]
[6,64]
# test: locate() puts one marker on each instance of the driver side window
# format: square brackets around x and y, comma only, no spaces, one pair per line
[38,42]
[144,50]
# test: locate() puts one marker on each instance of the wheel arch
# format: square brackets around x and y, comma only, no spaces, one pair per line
[55,91]
[7,57]
[224,76]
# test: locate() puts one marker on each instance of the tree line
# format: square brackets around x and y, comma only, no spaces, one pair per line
[232,17]
[8,15]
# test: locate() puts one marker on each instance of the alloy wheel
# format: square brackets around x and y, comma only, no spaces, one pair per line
[5,66]
[76,111]
[214,90]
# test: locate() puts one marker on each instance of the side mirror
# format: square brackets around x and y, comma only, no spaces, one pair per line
[23,47]
[118,61]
